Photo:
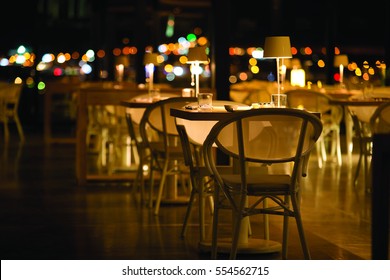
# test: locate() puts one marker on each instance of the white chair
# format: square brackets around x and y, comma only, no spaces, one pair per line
[361,116]
[158,131]
[331,116]
[258,138]
[140,148]
[192,135]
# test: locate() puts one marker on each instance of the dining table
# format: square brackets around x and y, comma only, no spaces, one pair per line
[203,121]
[356,99]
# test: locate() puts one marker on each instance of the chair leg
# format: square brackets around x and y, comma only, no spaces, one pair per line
[367,166]
[6,131]
[358,166]
[285,236]
[151,181]
[323,151]
[161,188]
[266,221]
[236,234]
[319,156]
[202,204]
[189,208]
[214,236]
[301,232]
[139,182]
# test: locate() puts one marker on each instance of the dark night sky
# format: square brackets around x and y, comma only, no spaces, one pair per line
[306,22]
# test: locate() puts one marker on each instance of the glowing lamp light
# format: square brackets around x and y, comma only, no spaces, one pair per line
[195,57]
[298,77]
[119,72]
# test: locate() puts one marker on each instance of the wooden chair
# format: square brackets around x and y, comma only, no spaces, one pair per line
[257,139]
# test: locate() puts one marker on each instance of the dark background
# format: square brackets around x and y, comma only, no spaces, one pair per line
[61,25]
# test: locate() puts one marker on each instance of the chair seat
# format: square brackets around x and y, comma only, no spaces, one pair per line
[263,183]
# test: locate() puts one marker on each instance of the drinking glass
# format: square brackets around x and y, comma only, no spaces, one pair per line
[205,101]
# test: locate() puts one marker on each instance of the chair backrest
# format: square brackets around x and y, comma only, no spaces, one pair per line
[361,116]
[157,120]
[10,96]
[264,136]
[380,120]
[187,148]
[314,101]
[309,100]
[136,113]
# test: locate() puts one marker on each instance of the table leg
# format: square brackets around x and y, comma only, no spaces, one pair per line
[171,195]
[348,133]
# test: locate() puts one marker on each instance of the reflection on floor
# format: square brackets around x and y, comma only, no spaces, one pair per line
[45,215]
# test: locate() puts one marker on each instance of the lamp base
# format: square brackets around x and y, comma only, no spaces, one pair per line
[279,100]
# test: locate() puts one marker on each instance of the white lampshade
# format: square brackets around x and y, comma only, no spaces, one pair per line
[150,58]
[341,59]
[277,47]
[197,54]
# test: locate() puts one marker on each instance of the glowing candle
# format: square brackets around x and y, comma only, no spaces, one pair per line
[341,73]
[119,71]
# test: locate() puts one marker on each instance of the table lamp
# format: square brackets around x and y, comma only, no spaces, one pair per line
[150,59]
[341,61]
[277,47]
[195,57]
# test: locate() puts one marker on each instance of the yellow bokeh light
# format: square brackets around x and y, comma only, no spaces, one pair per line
[321,63]
[183,59]
[168,68]
[253,61]
[255,69]
[358,72]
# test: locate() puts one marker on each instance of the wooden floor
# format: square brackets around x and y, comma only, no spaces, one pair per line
[45,215]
